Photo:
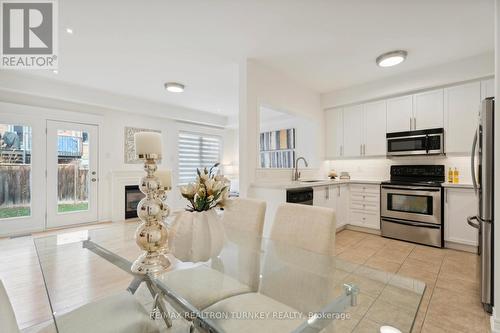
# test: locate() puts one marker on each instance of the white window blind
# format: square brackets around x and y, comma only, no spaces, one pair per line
[196,150]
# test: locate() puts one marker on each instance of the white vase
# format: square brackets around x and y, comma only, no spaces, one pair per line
[196,236]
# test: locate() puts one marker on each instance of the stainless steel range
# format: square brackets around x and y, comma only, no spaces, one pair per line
[412,204]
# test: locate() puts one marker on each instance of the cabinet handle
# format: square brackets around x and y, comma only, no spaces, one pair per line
[411,121]
[364,149]
[414,123]
[360,150]
[338,191]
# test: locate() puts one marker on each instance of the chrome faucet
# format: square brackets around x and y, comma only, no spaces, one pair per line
[296,173]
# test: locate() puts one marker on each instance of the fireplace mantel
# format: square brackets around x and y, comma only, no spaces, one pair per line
[120,179]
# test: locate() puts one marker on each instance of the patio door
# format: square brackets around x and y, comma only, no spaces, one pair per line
[72,177]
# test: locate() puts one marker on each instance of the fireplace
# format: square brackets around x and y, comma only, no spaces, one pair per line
[132,197]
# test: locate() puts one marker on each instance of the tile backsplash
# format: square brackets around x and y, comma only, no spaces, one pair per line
[379,168]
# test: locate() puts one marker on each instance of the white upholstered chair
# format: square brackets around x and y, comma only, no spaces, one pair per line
[117,313]
[289,286]
[308,227]
[203,286]
[245,215]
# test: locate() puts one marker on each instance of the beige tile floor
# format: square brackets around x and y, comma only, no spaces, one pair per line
[450,303]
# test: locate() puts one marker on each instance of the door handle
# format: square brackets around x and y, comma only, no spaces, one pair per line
[472,162]
[470,220]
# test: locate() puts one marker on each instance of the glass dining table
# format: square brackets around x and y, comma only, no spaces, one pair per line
[253,284]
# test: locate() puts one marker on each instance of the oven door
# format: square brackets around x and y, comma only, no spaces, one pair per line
[411,203]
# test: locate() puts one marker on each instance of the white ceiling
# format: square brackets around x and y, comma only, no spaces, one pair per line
[133,47]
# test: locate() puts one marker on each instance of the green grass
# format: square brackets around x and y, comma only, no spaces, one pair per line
[65,208]
[14,212]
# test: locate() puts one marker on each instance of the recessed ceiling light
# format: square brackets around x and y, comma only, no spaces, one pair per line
[392,58]
[55,71]
[174,87]
[69,31]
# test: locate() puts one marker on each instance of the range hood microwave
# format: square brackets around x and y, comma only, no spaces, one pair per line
[422,142]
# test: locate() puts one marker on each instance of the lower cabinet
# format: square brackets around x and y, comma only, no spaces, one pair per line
[459,204]
[364,207]
[336,197]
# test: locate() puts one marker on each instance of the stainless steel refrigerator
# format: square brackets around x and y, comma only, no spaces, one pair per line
[482,178]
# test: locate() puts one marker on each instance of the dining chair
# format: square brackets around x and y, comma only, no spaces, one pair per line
[120,312]
[8,322]
[287,284]
[203,286]
[311,228]
[245,214]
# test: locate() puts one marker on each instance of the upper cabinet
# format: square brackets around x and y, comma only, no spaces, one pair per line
[353,131]
[399,114]
[487,88]
[428,110]
[415,112]
[356,131]
[374,124]
[461,104]
[360,130]
[334,132]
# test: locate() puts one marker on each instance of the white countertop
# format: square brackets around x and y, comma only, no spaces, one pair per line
[298,184]
[459,185]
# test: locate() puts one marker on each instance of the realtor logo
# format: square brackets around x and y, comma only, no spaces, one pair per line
[29,32]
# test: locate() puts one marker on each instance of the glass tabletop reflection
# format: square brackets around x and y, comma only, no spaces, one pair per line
[252,281]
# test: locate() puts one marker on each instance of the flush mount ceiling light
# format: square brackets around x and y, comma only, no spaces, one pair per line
[392,58]
[174,87]
[69,31]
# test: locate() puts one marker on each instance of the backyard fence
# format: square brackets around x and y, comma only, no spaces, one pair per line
[15,185]
[72,183]
[15,189]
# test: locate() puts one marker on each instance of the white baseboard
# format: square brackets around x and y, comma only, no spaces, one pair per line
[363,229]
[460,247]
[495,322]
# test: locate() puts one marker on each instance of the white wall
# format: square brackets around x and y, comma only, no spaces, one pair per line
[306,133]
[262,86]
[441,75]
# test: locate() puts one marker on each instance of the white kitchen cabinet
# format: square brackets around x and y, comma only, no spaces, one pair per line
[428,111]
[460,203]
[353,131]
[342,204]
[334,133]
[364,206]
[461,105]
[335,197]
[321,196]
[399,114]
[487,88]
[374,128]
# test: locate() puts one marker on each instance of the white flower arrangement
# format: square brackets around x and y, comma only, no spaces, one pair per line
[210,190]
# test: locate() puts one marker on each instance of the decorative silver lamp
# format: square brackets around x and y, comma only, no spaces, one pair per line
[151,235]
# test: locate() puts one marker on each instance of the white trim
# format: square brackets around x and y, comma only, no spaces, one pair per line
[120,179]
[494,322]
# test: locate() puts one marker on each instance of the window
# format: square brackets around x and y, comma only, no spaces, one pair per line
[196,150]
[15,171]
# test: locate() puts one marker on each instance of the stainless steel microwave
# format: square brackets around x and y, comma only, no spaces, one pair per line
[423,142]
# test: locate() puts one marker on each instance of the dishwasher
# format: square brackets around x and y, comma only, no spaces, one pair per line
[302,195]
